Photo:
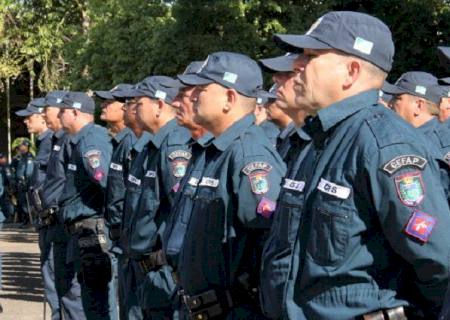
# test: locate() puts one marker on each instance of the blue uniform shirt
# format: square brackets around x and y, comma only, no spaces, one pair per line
[24,171]
[87,170]
[283,142]
[439,135]
[118,171]
[178,220]
[44,147]
[133,186]
[367,216]
[271,130]
[234,199]
[168,157]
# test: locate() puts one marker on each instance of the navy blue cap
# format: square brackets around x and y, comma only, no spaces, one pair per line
[265,96]
[444,56]
[416,83]
[442,90]
[156,87]
[110,95]
[355,33]
[35,106]
[231,70]
[386,97]
[53,98]
[279,64]
[190,74]
[77,100]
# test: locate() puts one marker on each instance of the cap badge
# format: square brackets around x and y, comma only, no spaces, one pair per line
[230,77]
[363,45]
[76,105]
[421,89]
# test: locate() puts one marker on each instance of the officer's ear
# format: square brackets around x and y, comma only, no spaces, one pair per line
[231,99]
[353,68]
[161,105]
[418,105]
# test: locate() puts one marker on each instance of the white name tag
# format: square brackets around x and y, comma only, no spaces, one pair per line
[134,180]
[209,182]
[150,174]
[193,181]
[116,166]
[294,185]
[72,167]
[56,147]
[333,189]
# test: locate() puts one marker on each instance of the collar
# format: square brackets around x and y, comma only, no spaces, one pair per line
[142,141]
[205,139]
[161,135]
[77,136]
[122,134]
[290,128]
[45,134]
[339,111]
[223,141]
[58,134]
[429,125]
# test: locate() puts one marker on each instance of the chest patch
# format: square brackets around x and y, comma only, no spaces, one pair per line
[294,185]
[410,188]
[134,180]
[150,174]
[420,226]
[193,181]
[93,157]
[72,167]
[333,189]
[404,161]
[209,182]
[116,166]
[56,147]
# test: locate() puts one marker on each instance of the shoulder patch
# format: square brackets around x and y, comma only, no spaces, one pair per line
[410,188]
[179,160]
[420,226]
[256,166]
[180,154]
[404,161]
[93,157]
[266,207]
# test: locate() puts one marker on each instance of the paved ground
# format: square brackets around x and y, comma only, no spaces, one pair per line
[21,295]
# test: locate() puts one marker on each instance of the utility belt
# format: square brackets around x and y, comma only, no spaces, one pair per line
[88,223]
[397,313]
[216,304]
[153,261]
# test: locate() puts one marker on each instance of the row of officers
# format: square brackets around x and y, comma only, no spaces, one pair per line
[210,198]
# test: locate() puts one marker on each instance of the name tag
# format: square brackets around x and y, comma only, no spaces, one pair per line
[134,180]
[56,147]
[294,185]
[72,167]
[150,174]
[116,166]
[333,189]
[209,182]
[193,181]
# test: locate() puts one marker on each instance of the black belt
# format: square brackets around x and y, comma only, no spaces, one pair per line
[88,223]
[153,261]
[213,304]
[397,313]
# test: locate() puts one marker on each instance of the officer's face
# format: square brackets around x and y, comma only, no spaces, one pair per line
[404,106]
[112,111]
[185,107]
[51,118]
[34,123]
[147,113]
[130,115]
[209,101]
[67,118]
[3,161]
[444,109]
[319,79]
[285,89]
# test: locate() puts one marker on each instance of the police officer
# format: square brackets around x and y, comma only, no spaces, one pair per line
[27,175]
[362,201]
[167,158]
[128,299]
[82,202]
[36,124]
[235,194]
[4,207]
[416,98]
[444,105]
[56,240]
[123,138]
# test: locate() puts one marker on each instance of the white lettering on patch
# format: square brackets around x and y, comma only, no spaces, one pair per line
[333,189]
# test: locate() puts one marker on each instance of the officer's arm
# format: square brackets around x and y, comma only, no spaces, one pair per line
[96,160]
[256,186]
[414,214]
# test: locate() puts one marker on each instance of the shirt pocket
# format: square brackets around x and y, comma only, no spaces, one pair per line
[286,219]
[329,234]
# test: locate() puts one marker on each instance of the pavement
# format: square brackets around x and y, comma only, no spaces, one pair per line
[21,293]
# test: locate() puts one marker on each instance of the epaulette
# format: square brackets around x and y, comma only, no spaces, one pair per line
[443,134]
[385,131]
